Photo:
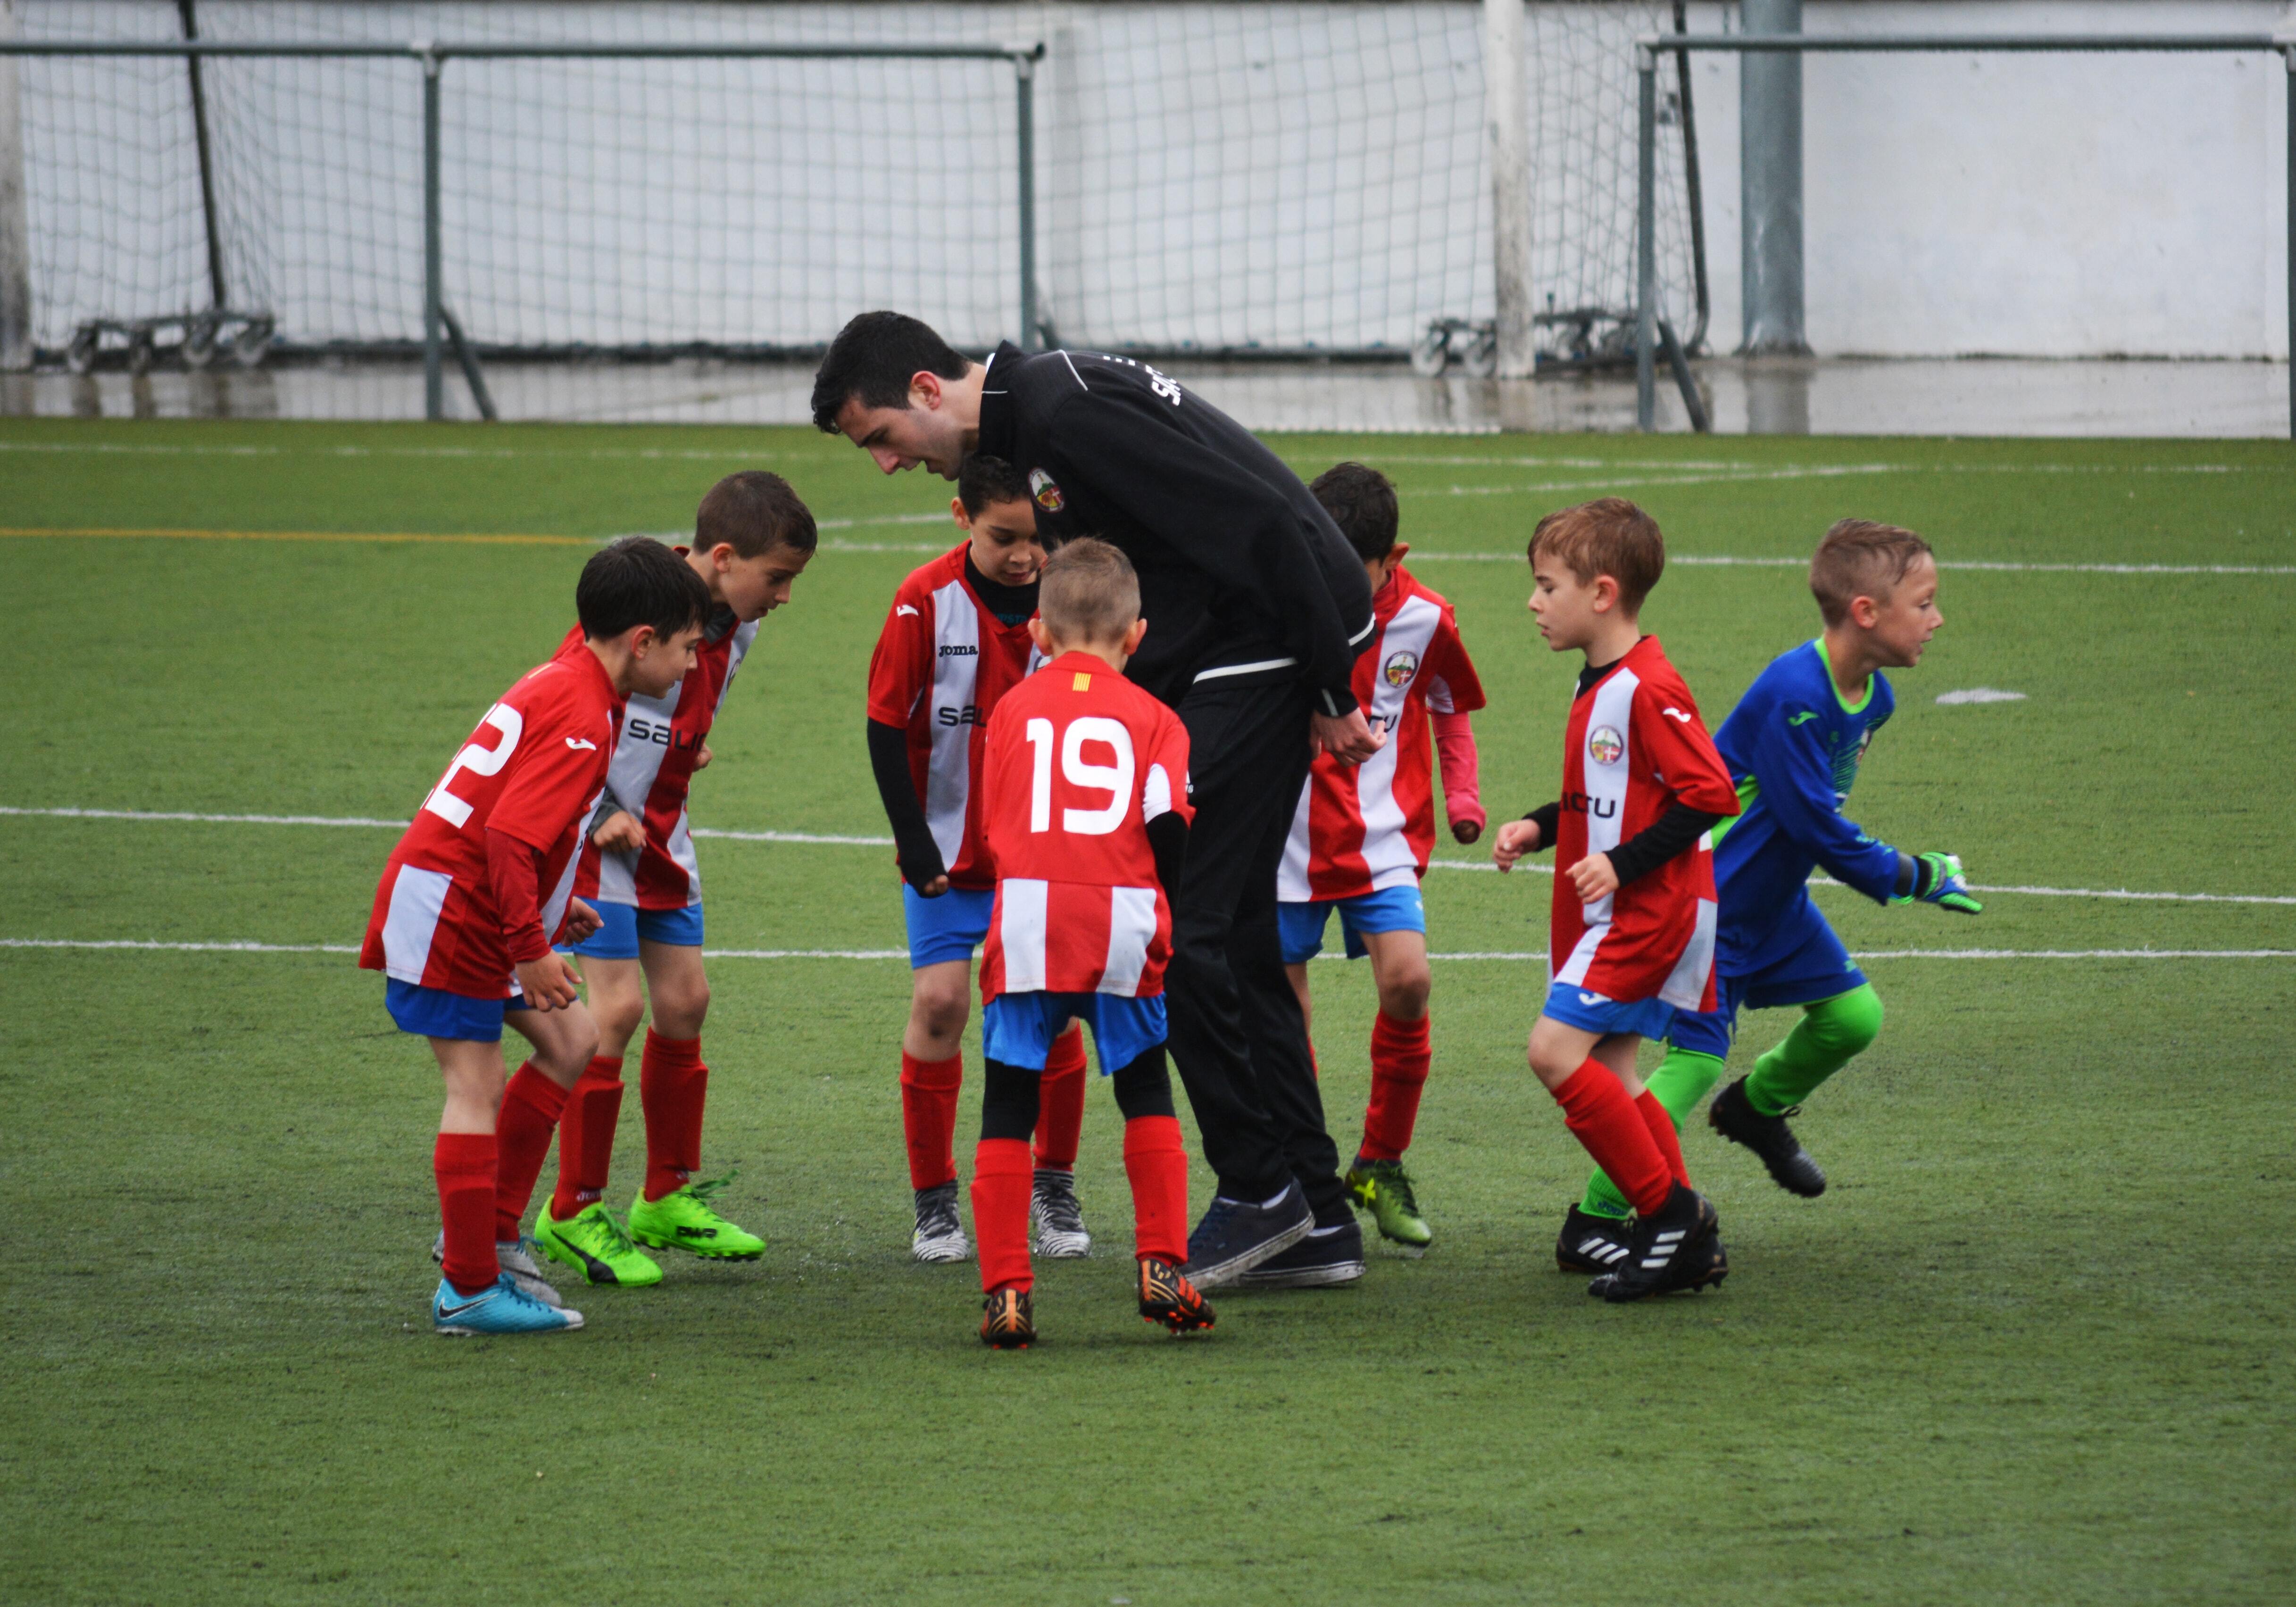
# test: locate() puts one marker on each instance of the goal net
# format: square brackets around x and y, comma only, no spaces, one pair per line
[1218,178]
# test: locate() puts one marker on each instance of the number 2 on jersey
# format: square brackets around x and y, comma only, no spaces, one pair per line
[479,761]
[1116,779]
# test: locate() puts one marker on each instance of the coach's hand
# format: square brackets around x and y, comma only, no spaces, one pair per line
[1515,839]
[1350,741]
[582,921]
[549,983]
[621,835]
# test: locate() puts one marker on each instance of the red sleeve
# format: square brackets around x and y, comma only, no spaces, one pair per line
[556,773]
[1167,752]
[1454,752]
[995,759]
[514,874]
[1448,676]
[902,667]
[1674,744]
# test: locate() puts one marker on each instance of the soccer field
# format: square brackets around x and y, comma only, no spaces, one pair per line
[2032,1346]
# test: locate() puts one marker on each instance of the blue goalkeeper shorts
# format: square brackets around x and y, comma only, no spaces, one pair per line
[1019,1027]
[1389,909]
[1817,967]
[621,925]
[948,927]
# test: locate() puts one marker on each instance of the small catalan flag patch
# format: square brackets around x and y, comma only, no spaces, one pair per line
[1083,681]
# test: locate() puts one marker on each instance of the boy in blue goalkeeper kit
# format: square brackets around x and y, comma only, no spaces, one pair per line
[1794,744]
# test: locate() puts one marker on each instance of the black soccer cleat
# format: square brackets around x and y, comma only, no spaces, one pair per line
[1672,1248]
[1167,1297]
[1713,1269]
[1591,1243]
[1327,1258]
[1733,1115]
[1235,1235]
[1008,1320]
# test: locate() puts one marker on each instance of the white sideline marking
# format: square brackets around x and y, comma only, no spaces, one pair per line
[1981,694]
[903,953]
[886,842]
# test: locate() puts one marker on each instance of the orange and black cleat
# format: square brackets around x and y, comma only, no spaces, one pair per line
[1008,1320]
[1167,1297]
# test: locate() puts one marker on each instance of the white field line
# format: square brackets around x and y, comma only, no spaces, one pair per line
[1723,562]
[886,842]
[1511,956]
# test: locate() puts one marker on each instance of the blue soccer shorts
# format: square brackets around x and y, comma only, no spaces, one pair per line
[1592,1013]
[434,1012]
[1019,1027]
[948,927]
[621,925]
[1389,909]
[1812,965]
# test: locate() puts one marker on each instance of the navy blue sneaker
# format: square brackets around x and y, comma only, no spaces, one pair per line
[1235,1235]
[1325,1258]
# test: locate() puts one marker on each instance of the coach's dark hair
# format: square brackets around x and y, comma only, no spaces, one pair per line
[874,358]
[753,512]
[982,479]
[1361,501]
[638,581]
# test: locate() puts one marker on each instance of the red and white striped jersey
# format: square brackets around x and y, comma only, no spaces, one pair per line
[1635,745]
[1363,828]
[652,770]
[942,662]
[530,771]
[1079,761]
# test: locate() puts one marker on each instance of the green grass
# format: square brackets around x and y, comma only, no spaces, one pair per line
[2032,1347]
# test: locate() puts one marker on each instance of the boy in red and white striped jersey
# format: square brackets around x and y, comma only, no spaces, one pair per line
[955,640]
[1086,809]
[1363,835]
[752,538]
[1634,888]
[469,903]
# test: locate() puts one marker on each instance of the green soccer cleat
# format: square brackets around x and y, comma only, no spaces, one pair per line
[1383,1188]
[682,1219]
[595,1243]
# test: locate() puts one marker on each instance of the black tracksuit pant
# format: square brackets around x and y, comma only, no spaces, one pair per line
[1236,1032]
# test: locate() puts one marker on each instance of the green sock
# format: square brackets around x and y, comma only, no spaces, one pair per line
[1829,1035]
[1680,1082]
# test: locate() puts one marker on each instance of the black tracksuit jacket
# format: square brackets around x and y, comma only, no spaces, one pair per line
[1244,577]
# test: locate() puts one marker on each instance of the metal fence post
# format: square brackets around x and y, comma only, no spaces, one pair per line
[1646,241]
[2288,57]
[1024,76]
[434,379]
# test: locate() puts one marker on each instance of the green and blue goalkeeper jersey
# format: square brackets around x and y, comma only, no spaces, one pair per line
[1792,744]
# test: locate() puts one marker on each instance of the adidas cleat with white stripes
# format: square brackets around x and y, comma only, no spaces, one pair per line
[1674,1248]
[1591,1243]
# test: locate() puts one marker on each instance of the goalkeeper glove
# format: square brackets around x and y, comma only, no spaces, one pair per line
[1937,879]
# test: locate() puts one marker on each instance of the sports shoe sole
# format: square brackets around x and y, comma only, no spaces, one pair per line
[656,1242]
[1307,1277]
[1225,1275]
[940,1253]
[596,1273]
[573,1321]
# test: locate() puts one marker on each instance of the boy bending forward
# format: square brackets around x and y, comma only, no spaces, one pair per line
[1086,808]
[1634,886]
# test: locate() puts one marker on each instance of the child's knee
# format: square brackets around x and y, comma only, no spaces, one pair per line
[1403,998]
[1848,1023]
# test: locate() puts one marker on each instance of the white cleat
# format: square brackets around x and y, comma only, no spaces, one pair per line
[939,1235]
[1056,1228]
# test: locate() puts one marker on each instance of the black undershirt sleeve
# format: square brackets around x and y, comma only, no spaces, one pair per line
[1546,817]
[913,840]
[1168,839]
[1660,841]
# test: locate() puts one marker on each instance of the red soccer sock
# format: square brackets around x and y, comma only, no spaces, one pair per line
[1157,1167]
[465,1165]
[530,1109]
[1060,1101]
[673,1084]
[928,1117]
[585,1137]
[1662,1133]
[1398,1072]
[1601,1117]
[1001,1180]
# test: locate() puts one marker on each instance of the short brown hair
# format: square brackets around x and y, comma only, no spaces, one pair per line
[1859,558]
[1089,592]
[753,512]
[1609,536]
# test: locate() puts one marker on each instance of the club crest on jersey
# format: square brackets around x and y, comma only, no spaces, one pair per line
[1047,494]
[1400,668]
[1605,744]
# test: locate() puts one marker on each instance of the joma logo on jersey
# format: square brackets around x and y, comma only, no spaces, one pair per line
[660,733]
[1582,803]
[1605,744]
[1047,494]
[958,650]
[967,716]
[1400,668]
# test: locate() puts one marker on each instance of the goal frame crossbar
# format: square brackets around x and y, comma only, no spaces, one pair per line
[432,55]
[1650,47]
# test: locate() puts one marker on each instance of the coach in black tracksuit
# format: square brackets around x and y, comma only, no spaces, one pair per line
[1257,608]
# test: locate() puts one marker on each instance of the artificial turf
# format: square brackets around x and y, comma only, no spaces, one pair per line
[2032,1346]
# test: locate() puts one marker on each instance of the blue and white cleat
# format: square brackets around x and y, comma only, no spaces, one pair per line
[505,1309]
